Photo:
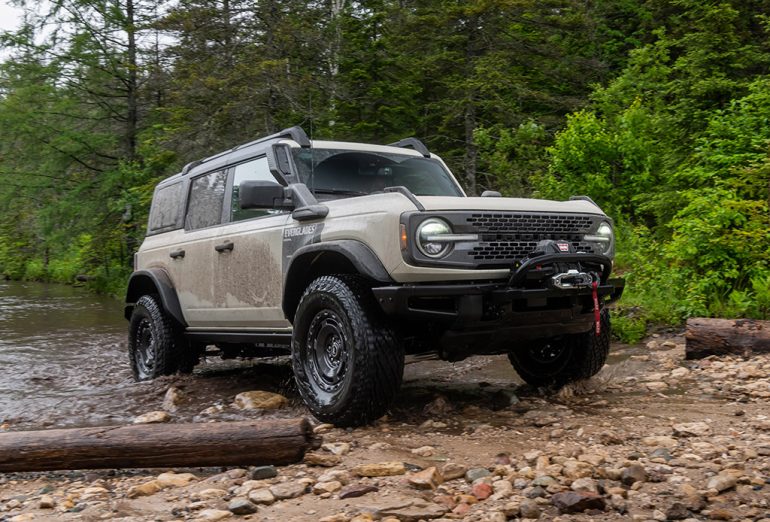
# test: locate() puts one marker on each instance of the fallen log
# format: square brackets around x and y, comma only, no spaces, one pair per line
[743,337]
[258,442]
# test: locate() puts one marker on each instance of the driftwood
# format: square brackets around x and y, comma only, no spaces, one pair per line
[742,337]
[256,442]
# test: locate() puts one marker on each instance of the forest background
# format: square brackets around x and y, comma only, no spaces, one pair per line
[658,110]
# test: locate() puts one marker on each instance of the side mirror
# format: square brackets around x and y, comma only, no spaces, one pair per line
[261,195]
[491,194]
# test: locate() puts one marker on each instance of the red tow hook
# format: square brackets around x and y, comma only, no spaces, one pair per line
[597,312]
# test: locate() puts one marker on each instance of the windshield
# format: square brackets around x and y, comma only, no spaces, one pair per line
[357,173]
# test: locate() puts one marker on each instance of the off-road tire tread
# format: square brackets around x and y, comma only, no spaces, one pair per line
[163,333]
[378,354]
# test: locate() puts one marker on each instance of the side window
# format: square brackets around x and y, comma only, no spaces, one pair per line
[254,170]
[207,195]
[167,209]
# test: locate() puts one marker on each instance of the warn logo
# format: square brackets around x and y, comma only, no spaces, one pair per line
[563,247]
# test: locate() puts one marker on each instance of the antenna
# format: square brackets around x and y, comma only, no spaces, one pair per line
[312,152]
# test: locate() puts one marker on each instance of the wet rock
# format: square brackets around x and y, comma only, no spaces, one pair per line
[315,458]
[336,448]
[575,469]
[143,490]
[288,490]
[502,489]
[474,474]
[428,478]
[482,491]
[584,484]
[339,475]
[656,386]
[263,472]
[722,482]
[677,511]
[424,451]
[241,506]
[170,479]
[452,470]
[261,496]
[210,494]
[661,453]
[323,428]
[380,469]
[660,441]
[438,407]
[152,417]
[46,502]
[326,487]
[535,492]
[260,400]
[632,474]
[722,513]
[692,429]
[213,514]
[529,509]
[577,502]
[172,399]
[356,490]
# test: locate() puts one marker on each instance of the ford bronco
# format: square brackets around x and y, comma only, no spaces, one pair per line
[348,256]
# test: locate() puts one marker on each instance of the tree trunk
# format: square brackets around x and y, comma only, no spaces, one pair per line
[132,103]
[258,442]
[742,337]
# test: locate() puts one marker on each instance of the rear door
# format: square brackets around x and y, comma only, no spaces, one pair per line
[193,275]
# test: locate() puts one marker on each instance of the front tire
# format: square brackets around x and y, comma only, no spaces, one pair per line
[561,360]
[151,340]
[348,362]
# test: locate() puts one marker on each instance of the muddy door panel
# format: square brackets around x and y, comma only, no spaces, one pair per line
[249,293]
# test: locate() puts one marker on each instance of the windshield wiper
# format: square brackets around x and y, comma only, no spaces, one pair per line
[342,192]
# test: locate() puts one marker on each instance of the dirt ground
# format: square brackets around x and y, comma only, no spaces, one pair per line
[652,437]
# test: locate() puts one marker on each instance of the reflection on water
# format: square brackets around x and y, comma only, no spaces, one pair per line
[58,346]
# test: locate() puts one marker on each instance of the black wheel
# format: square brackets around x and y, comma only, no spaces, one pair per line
[151,340]
[347,361]
[560,360]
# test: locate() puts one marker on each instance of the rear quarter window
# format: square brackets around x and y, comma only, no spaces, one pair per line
[167,209]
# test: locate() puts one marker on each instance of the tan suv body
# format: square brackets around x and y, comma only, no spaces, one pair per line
[349,256]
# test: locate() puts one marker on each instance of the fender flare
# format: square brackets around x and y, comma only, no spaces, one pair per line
[154,280]
[363,259]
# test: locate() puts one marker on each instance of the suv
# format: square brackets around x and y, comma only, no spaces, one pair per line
[349,256]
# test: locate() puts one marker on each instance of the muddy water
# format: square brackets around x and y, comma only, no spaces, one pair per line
[63,363]
[59,346]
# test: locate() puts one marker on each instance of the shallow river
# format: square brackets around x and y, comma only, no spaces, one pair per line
[63,363]
[60,348]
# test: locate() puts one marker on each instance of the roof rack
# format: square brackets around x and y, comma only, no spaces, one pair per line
[295,133]
[412,143]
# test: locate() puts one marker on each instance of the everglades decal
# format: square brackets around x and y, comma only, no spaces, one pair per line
[295,238]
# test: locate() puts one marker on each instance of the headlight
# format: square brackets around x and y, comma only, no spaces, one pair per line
[603,237]
[429,237]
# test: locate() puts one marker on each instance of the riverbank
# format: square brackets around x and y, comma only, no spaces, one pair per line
[652,437]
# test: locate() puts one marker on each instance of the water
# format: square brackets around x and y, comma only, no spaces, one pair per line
[58,345]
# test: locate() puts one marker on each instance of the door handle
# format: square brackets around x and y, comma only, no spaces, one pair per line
[176,253]
[227,245]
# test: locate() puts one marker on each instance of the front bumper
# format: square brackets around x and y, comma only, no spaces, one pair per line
[489,318]
[468,300]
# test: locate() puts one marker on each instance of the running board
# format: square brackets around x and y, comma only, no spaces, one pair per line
[270,338]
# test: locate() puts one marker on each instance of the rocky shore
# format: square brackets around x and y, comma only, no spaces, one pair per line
[652,437]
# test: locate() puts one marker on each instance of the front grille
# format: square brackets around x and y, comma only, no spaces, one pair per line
[508,237]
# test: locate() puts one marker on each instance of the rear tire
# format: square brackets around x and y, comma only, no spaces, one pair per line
[151,340]
[561,360]
[348,362]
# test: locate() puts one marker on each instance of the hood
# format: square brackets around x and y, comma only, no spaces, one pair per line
[508,204]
